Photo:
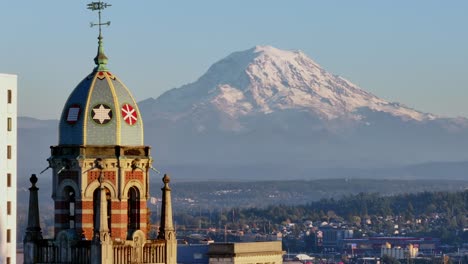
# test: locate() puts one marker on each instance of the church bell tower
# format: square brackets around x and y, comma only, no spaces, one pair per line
[100,135]
[100,179]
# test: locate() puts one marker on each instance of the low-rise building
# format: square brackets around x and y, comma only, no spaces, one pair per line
[372,246]
[240,253]
[398,252]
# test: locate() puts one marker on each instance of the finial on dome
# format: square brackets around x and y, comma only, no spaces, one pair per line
[101,58]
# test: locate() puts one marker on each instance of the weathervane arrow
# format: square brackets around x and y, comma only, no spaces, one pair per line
[99,6]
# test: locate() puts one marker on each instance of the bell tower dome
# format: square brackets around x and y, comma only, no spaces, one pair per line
[101,110]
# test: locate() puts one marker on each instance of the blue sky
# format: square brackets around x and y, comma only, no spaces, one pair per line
[413,52]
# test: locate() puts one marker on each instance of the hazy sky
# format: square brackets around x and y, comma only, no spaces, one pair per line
[413,52]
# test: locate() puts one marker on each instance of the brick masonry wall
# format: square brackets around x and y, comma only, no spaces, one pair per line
[84,209]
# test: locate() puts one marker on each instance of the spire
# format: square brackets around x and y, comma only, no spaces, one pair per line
[167,226]
[33,231]
[166,230]
[100,59]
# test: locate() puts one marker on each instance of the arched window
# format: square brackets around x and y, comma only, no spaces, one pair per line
[69,195]
[96,201]
[133,209]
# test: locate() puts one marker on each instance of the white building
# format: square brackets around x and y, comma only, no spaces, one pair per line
[398,252]
[8,112]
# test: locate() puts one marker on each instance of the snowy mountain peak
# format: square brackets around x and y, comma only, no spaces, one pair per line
[265,79]
[277,53]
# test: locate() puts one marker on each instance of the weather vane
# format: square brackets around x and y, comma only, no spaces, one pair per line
[93,6]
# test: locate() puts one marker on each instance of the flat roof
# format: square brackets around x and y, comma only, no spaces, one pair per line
[8,75]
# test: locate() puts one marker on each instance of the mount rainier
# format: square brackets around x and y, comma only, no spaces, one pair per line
[264,79]
[279,110]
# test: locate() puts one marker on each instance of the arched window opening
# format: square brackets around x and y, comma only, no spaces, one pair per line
[69,195]
[133,209]
[96,201]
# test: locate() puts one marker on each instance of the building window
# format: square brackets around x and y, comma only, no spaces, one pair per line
[96,204]
[133,208]
[8,208]
[70,197]
[9,124]
[8,260]
[10,96]
[8,179]
[8,152]
[8,236]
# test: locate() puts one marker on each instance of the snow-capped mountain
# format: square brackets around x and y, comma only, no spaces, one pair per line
[265,79]
[270,106]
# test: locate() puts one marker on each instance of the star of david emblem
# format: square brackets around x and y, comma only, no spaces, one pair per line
[129,114]
[102,114]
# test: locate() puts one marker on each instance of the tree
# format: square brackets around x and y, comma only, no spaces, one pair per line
[409,213]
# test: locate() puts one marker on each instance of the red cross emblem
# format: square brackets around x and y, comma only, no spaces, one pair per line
[129,114]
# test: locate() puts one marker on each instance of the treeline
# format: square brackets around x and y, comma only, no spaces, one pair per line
[365,205]
[295,192]
[450,208]
[416,203]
